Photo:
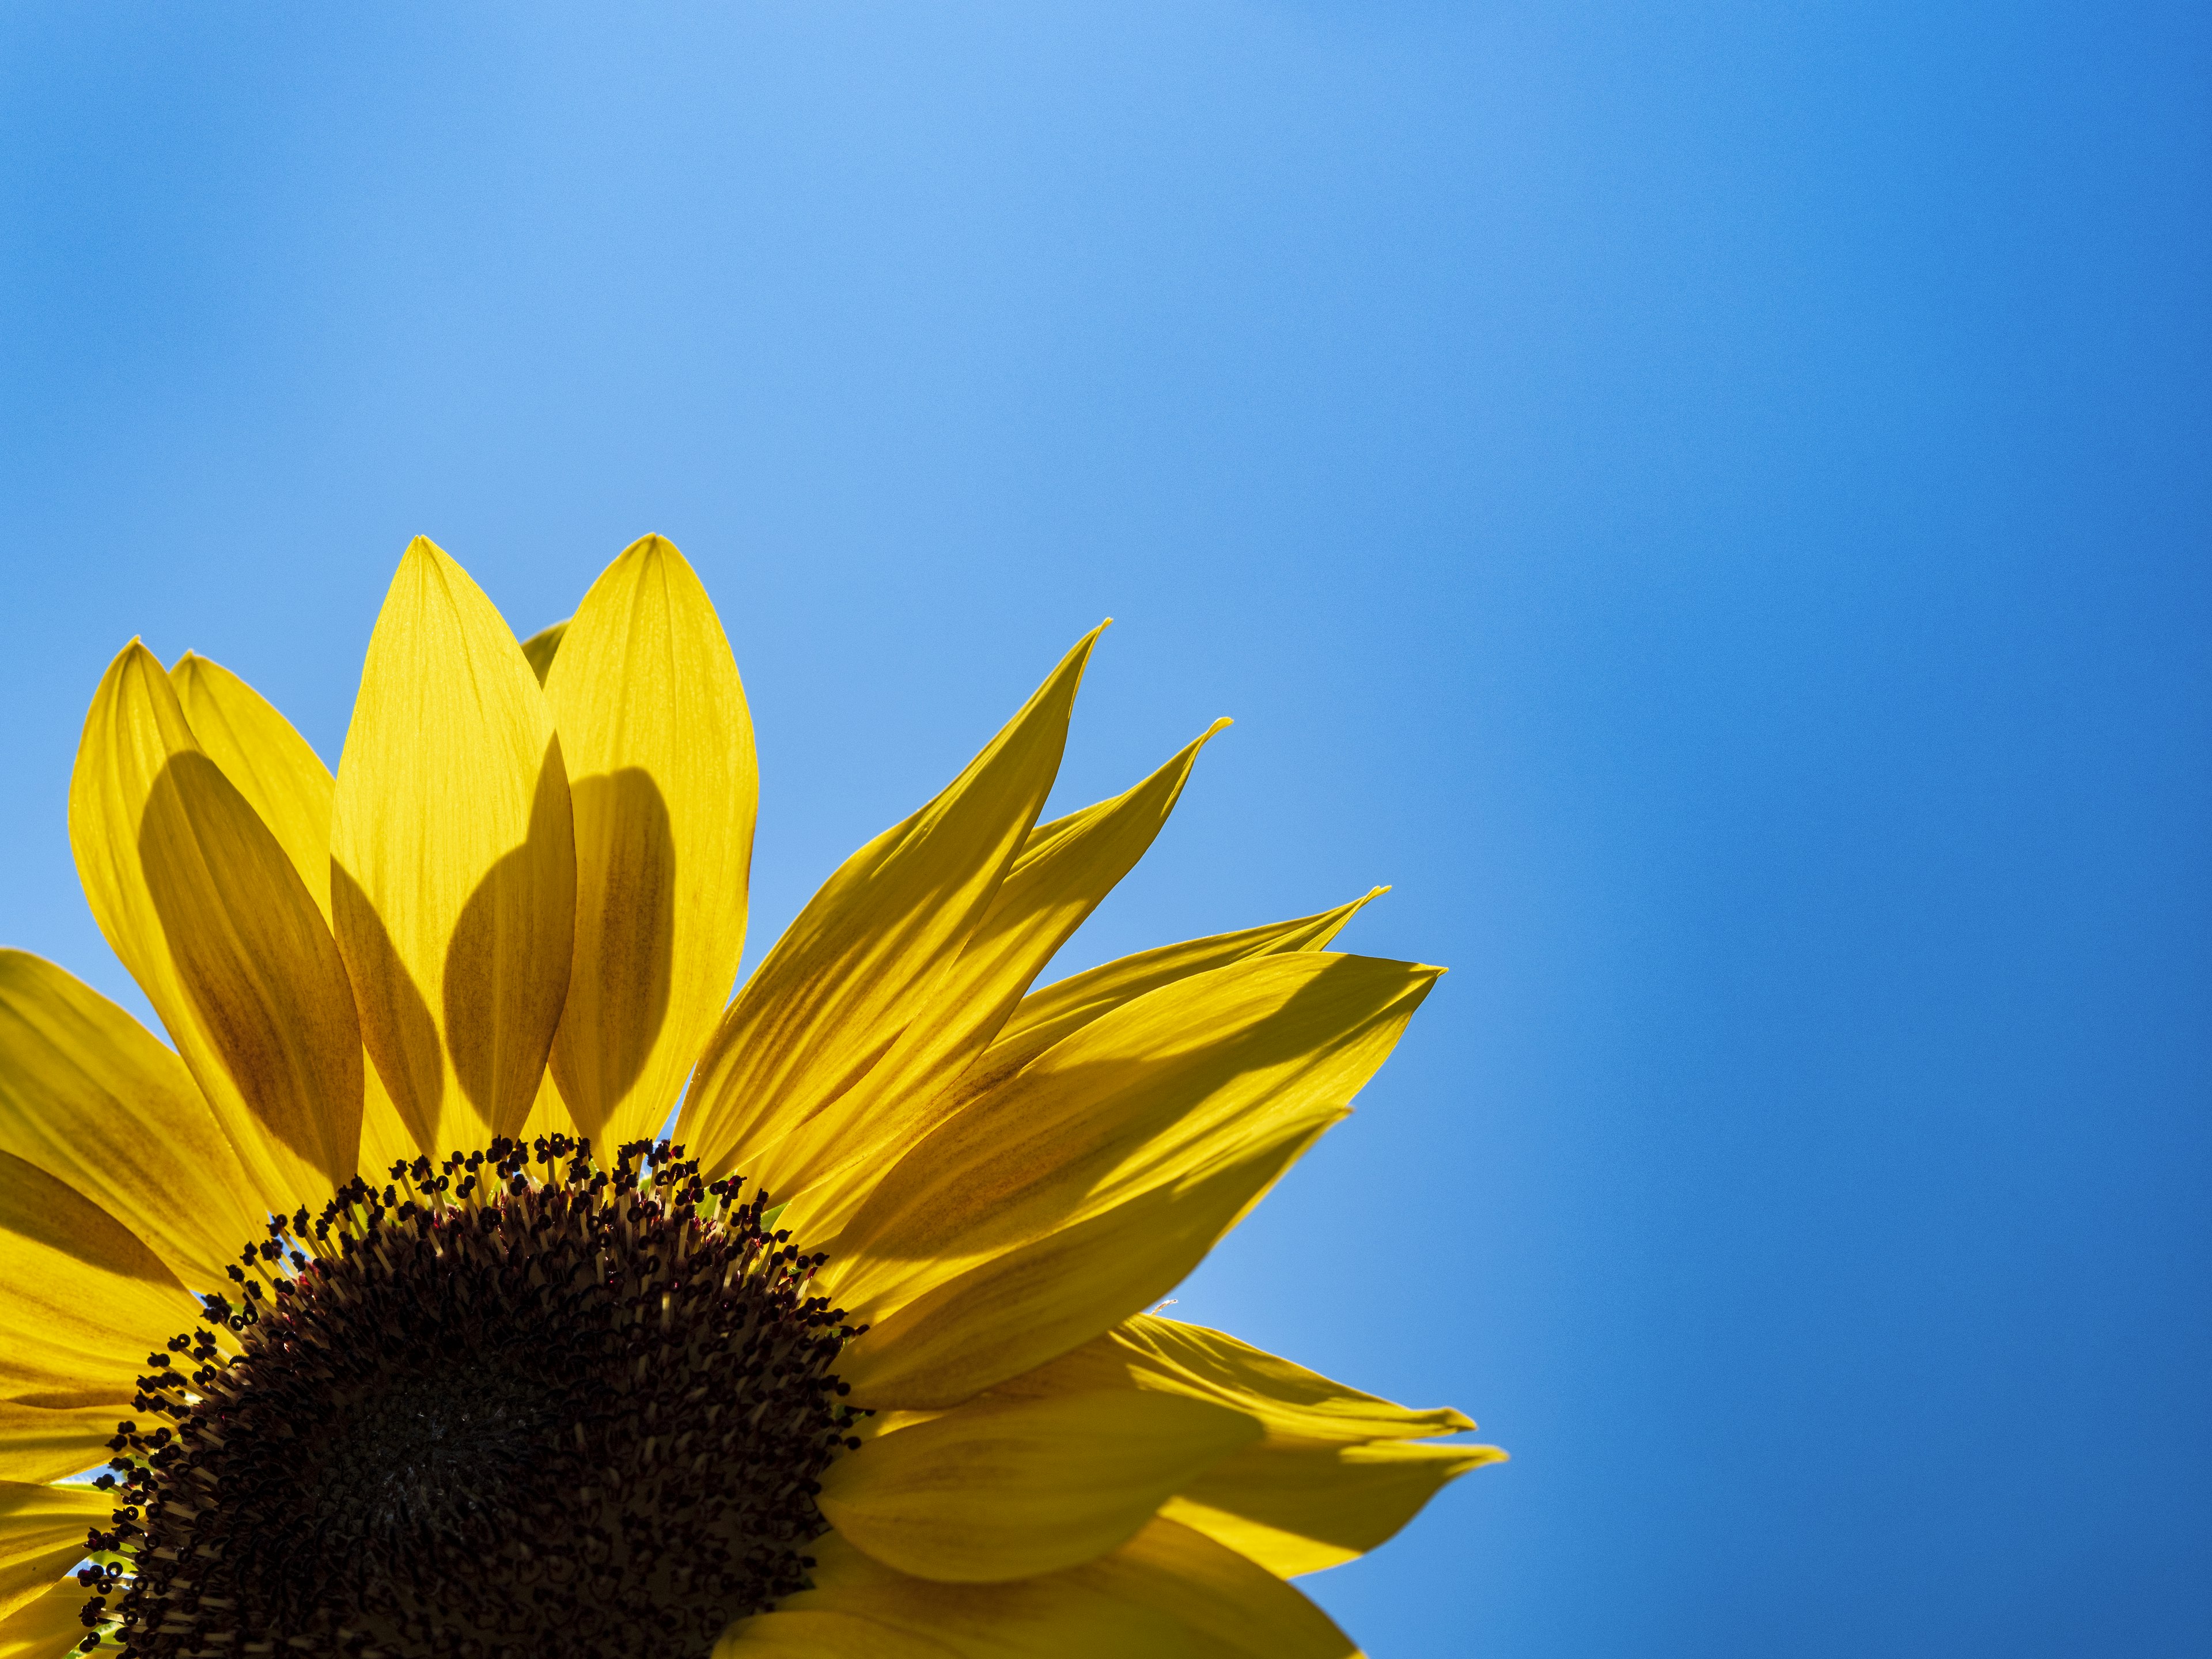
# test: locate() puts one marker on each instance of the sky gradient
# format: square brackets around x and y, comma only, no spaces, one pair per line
[1710,502]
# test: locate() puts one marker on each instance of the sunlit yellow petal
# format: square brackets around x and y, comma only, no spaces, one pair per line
[659,752]
[1063,870]
[82,1298]
[541,647]
[91,1097]
[1300,1506]
[1043,1018]
[61,1433]
[453,873]
[1239,1609]
[204,908]
[1058,1205]
[45,1628]
[1003,1491]
[42,1536]
[281,777]
[1168,1356]
[1061,1615]
[866,954]
[825,1636]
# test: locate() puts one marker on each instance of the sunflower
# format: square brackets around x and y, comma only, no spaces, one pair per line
[395,1329]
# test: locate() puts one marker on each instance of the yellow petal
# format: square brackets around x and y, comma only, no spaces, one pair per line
[1237,1607]
[46,1628]
[42,1532]
[1300,1506]
[1063,870]
[1043,1018]
[1002,1490]
[283,778]
[866,954]
[82,1298]
[540,649]
[1093,1181]
[825,1636]
[1059,1616]
[659,752]
[1165,1355]
[92,1098]
[453,878]
[204,908]
[63,1433]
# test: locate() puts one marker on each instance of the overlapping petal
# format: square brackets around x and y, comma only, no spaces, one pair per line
[1011,1489]
[82,1300]
[659,752]
[45,1628]
[1043,1018]
[42,1530]
[205,907]
[1064,869]
[818,1634]
[1093,1181]
[453,878]
[1297,1506]
[1170,1593]
[866,957]
[94,1100]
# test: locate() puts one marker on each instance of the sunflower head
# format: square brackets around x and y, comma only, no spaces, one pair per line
[397,1328]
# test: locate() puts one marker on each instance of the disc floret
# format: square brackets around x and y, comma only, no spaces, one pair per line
[516,1403]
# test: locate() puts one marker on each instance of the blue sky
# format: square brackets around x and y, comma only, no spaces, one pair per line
[1711,502]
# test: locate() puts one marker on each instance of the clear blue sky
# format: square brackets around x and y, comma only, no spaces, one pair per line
[1711,502]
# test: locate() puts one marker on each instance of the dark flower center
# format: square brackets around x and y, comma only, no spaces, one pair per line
[549,1412]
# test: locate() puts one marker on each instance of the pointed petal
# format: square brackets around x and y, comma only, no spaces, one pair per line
[1067,1005]
[454,872]
[865,954]
[82,1298]
[1084,1188]
[1298,1506]
[204,908]
[659,751]
[1002,1490]
[283,778]
[46,1628]
[1061,1615]
[541,647]
[1166,1355]
[42,1532]
[1064,870]
[92,1098]
[1239,1607]
[825,1636]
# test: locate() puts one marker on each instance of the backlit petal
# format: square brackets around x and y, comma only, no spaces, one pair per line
[1060,1616]
[541,647]
[42,1536]
[281,777]
[1300,1506]
[1237,1608]
[65,1434]
[820,1635]
[866,957]
[1043,1018]
[82,1298]
[1093,1181]
[1064,868]
[204,908]
[659,752]
[92,1098]
[45,1628]
[1002,1490]
[453,876]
